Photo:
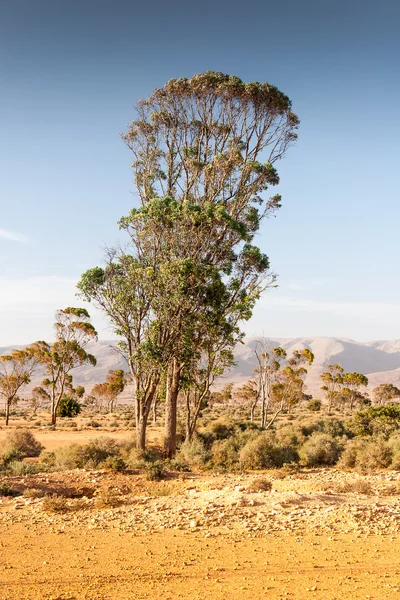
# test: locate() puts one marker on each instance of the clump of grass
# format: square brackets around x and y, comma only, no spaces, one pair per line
[262,484]
[108,498]
[162,490]
[53,503]
[33,493]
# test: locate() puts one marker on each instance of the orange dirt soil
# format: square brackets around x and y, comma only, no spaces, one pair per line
[200,537]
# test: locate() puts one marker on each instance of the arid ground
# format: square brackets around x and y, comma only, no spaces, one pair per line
[316,534]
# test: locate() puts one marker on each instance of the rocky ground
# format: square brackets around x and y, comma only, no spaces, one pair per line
[324,534]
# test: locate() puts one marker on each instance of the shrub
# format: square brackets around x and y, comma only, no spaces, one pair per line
[108,498]
[260,485]
[68,407]
[115,463]
[264,452]
[8,491]
[98,451]
[377,420]
[55,504]
[375,455]
[351,452]
[320,449]
[155,471]
[314,405]
[19,444]
[194,453]
[19,468]
[367,454]
[33,493]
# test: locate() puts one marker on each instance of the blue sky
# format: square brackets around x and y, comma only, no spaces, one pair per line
[70,74]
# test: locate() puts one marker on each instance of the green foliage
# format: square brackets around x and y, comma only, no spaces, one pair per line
[377,420]
[68,407]
[314,405]
[367,454]
[155,471]
[264,452]
[320,449]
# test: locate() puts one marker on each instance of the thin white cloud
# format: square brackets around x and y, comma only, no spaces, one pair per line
[357,309]
[13,236]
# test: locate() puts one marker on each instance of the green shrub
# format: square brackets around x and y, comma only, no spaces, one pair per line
[98,451]
[194,453]
[320,449]
[7,490]
[19,468]
[68,407]
[352,450]
[366,454]
[155,471]
[377,420]
[314,405]
[114,463]
[264,452]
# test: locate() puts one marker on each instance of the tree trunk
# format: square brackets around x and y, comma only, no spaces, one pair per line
[171,399]
[155,412]
[7,407]
[53,416]
[141,434]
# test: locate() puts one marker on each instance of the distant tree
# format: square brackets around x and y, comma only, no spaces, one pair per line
[247,394]
[109,391]
[200,376]
[16,369]
[39,398]
[73,333]
[353,382]
[384,393]
[288,391]
[333,382]
[269,363]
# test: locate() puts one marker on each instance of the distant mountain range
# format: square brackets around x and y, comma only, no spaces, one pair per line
[379,360]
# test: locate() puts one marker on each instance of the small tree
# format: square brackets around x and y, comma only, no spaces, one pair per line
[73,333]
[288,392]
[109,391]
[353,382]
[15,372]
[247,394]
[269,364]
[39,398]
[333,381]
[384,393]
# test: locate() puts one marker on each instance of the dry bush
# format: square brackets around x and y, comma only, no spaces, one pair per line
[108,498]
[33,493]
[262,484]
[55,504]
[19,444]
[161,491]
[359,486]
